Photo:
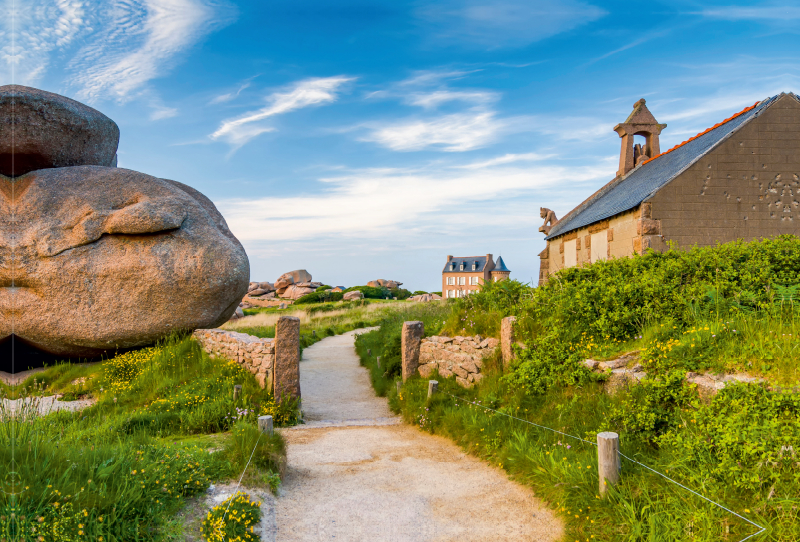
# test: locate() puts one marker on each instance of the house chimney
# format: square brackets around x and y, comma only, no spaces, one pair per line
[639,122]
[449,258]
[489,260]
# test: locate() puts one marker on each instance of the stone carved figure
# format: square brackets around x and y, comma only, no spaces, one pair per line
[549,220]
[639,154]
[94,258]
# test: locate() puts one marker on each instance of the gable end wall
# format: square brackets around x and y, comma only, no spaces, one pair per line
[748,187]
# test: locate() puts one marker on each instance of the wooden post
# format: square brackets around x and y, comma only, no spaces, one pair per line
[379,362]
[397,385]
[433,386]
[608,460]
[265,424]
[313,332]
[369,351]
[507,339]
[237,391]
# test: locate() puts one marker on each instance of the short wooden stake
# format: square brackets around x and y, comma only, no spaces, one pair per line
[397,385]
[369,351]
[237,392]
[313,332]
[608,460]
[379,362]
[433,386]
[265,424]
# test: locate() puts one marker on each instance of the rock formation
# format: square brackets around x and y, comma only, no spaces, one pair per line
[391,284]
[101,258]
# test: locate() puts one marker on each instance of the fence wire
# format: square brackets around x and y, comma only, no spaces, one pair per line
[761,528]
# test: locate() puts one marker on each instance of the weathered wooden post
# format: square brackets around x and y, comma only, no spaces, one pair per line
[433,387]
[379,362]
[369,351]
[286,374]
[409,347]
[265,424]
[237,391]
[314,333]
[507,339]
[608,460]
[397,385]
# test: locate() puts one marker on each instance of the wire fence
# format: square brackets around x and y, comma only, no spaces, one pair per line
[760,527]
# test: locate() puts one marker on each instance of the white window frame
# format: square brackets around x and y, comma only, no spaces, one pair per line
[451,281]
[473,281]
[570,253]
[462,281]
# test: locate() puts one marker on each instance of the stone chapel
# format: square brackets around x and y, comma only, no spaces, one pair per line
[738,179]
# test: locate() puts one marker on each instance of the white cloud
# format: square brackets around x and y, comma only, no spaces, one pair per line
[139,40]
[456,132]
[432,100]
[160,113]
[504,23]
[507,159]
[305,93]
[766,12]
[388,203]
[31,31]
[222,98]
[113,47]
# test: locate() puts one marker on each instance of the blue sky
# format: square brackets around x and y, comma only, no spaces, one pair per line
[364,140]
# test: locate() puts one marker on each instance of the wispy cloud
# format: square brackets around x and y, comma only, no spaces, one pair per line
[354,204]
[161,113]
[453,133]
[506,159]
[504,23]
[138,41]
[765,12]
[227,97]
[431,100]
[309,92]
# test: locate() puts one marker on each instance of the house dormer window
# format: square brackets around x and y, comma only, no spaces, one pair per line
[474,266]
[452,267]
[462,266]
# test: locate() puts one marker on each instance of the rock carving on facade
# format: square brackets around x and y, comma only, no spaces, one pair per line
[94,258]
[549,220]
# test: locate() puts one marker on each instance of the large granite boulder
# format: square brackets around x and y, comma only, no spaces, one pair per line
[292,277]
[108,258]
[51,131]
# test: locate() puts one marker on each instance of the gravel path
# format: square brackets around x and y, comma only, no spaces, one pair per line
[355,474]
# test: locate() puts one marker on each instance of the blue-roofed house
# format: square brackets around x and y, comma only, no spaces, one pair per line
[737,180]
[463,275]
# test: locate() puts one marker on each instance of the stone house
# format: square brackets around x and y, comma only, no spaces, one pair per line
[736,180]
[464,275]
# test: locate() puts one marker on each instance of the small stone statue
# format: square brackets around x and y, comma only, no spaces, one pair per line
[549,218]
[639,154]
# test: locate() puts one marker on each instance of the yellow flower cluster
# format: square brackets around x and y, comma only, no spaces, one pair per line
[233,520]
[121,371]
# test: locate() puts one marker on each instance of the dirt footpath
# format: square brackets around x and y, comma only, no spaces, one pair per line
[355,474]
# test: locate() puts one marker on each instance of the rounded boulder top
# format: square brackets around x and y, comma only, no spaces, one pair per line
[42,130]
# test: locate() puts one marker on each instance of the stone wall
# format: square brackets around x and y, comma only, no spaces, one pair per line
[252,353]
[459,356]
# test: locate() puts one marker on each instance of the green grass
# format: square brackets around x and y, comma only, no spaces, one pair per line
[164,427]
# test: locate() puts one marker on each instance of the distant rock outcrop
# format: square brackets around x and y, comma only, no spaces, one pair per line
[391,284]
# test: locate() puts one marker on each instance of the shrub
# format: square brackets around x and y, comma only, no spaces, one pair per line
[400,293]
[319,297]
[419,292]
[324,287]
[371,292]
[233,520]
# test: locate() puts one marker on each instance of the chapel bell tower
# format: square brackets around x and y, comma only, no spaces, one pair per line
[639,122]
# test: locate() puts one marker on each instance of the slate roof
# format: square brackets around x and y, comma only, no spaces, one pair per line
[468,260]
[500,265]
[623,194]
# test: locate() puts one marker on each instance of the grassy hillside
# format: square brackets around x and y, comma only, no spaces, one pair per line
[732,308]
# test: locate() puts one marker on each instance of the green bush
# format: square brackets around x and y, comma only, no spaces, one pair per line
[419,292]
[400,293]
[324,287]
[371,292]
[319,297]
